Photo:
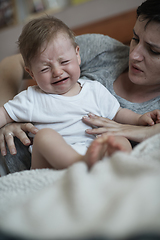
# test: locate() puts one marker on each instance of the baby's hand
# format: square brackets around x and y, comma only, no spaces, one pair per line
[150,118]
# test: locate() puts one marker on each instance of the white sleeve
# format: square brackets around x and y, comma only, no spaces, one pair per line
[21,106]
[108,104]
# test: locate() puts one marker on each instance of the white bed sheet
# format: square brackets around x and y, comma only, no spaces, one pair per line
[118,197]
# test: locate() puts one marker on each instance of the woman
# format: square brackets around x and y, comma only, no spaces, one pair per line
[138,88]
[136,85]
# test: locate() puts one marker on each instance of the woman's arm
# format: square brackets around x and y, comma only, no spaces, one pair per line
[135,133]
[11,75]
[4,117]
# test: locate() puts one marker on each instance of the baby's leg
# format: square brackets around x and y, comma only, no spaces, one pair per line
[106,146]
[118,143]
[51,151]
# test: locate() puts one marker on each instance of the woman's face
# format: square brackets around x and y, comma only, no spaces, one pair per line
[144,58]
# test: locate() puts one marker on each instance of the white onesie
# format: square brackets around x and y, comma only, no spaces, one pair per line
[61,113]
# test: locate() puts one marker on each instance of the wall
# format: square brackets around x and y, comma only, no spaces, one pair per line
[74,17]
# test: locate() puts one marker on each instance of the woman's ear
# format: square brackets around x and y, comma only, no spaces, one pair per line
[78,54]
[30,72]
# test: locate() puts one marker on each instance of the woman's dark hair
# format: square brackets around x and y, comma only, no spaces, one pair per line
[150,9]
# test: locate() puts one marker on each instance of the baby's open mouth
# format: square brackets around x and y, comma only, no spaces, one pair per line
[64,79]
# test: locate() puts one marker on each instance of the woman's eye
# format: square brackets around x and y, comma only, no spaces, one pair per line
[135,39]
[154,52]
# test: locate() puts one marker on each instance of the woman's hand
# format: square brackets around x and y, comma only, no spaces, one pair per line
[102,125]
[9,131]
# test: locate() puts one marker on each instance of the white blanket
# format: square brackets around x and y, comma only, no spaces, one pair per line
[118,197]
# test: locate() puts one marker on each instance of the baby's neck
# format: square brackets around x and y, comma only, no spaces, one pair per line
[75,90]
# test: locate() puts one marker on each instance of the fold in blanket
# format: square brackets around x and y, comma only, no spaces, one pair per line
[118,197]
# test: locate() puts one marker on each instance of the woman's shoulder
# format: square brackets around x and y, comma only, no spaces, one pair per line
[95,45]
[140,108]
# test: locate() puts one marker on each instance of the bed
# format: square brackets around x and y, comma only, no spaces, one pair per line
[119,198]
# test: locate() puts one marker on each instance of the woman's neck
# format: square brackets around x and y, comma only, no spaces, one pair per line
[124,88]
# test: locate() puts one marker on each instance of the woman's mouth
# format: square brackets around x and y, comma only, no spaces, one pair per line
[135,68]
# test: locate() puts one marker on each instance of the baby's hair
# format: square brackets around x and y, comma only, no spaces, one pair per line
[39,31]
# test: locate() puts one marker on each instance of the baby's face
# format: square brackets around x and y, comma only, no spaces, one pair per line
[56,70]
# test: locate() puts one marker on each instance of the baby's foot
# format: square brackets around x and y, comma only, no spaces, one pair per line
[113,145]
[105,146]
[96,151]
[117,144]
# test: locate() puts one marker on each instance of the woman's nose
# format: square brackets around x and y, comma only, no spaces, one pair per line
[136,53]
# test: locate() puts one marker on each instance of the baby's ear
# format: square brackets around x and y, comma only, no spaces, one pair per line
[30,72]
[78,54]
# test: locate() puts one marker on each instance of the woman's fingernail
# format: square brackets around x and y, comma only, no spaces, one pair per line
[3,153]
[13,151]
[91,115]
[26,142]
[89,131]
[86,117]
[99,135]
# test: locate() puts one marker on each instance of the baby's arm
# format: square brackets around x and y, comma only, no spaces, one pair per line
[4,117]
[150,118]
[127,116]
